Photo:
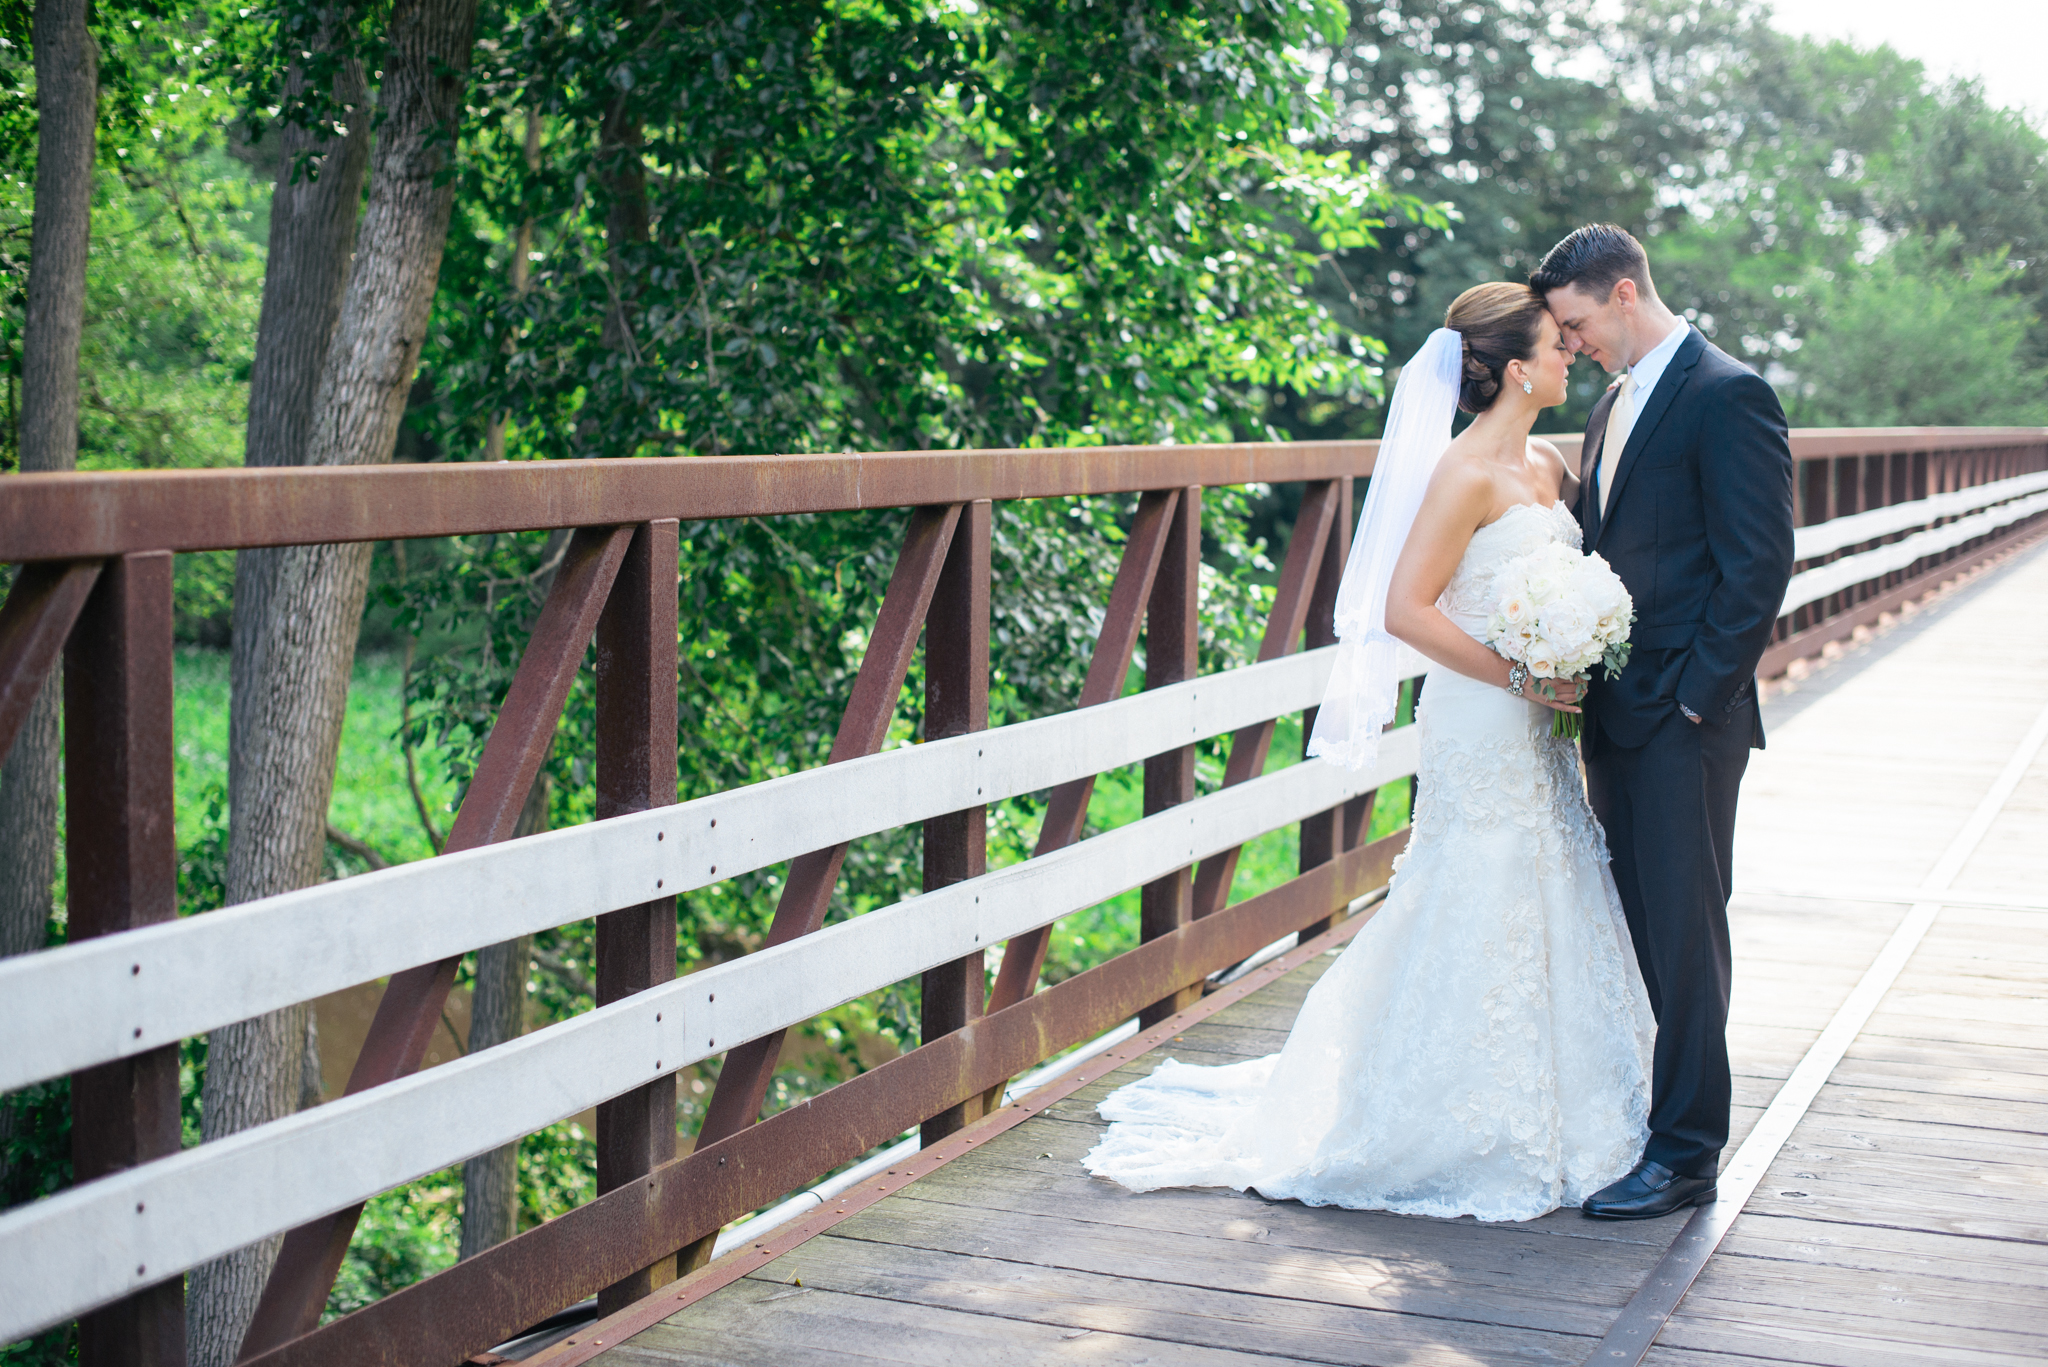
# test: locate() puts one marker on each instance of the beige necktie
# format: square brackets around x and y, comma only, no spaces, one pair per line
[1620,419]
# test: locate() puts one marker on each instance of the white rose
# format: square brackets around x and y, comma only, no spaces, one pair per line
[1515,610]
[1542,664]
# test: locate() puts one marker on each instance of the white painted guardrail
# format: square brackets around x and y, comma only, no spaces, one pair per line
[1837,532]
[115,996]
[95,1243]
[1812,585]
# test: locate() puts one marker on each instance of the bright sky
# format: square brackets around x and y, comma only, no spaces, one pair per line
[2002,42]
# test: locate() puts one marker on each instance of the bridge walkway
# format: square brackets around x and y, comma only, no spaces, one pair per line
[1905,1221]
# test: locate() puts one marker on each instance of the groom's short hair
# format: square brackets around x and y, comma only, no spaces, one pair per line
[1596,258]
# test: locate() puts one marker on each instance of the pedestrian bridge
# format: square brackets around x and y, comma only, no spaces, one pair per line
[1885,1202]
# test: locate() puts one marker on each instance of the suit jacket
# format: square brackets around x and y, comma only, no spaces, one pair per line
[1699,527]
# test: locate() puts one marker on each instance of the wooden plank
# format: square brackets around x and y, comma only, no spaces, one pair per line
[1930,1138]
[1038,1170]
[1839,1337]
[1977,1114]
[1956,1081]
[1892,1252]
[1921,1306]
[789,1326]
[1536,1299]
[1442,1251]
[221,1196]
[1174,1314]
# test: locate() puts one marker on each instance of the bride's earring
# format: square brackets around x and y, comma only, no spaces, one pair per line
[1528,387]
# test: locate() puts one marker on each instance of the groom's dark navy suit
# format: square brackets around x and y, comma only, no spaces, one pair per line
[1699,527]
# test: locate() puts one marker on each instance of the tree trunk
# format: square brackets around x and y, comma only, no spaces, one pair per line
[67,66]
[316,599]
[312,234]
[263,1069]
[627,219]
[497,1013]
[67,101]
[290,710]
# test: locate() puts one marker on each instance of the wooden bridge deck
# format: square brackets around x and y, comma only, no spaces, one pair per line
[1905,1222]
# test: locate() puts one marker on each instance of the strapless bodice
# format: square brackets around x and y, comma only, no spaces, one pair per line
[1469,598]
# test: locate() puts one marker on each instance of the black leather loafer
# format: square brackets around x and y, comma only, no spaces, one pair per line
[1648,1192]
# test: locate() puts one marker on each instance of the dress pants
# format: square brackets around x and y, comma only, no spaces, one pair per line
[1668,807]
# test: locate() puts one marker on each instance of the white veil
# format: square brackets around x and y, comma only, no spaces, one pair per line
[1365,685]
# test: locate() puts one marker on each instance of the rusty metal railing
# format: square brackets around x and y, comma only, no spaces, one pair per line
[96,586]
[1908,508]
[111,1007]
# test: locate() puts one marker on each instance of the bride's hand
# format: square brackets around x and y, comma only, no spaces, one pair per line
[1562,695]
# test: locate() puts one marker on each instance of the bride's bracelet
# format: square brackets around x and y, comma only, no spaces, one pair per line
[1518,674]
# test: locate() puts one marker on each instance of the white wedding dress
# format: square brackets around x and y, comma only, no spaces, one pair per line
[1482,1047]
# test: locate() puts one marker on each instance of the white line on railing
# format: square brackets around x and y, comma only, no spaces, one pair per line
[95,1243]
[1812,585]
[119,995]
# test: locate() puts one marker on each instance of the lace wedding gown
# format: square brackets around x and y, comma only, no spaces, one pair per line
[1482,1047]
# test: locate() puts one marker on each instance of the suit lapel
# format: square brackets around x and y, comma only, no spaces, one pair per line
[1654,408]
[1589,465]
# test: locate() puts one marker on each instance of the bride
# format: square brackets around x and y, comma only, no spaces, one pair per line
[1482,1047]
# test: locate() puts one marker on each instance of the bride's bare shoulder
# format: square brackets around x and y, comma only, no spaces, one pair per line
[1553,462]
[1462,482]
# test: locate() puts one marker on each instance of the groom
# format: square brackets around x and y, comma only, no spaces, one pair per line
[1686,490]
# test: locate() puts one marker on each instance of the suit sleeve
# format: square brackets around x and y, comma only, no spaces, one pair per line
[1746,492]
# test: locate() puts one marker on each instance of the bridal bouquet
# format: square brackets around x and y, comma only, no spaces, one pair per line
[1560,613]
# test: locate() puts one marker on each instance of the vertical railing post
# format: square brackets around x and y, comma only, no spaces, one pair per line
[121,856]
[956,844]
[636,770]
[1172,633]
[1328,834]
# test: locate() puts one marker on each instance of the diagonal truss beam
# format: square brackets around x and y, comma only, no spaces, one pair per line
[410,1008]
[35,622]
[743,1081]
[1299,576]
[1067,809]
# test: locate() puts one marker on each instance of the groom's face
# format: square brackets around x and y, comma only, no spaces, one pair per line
[1602,330]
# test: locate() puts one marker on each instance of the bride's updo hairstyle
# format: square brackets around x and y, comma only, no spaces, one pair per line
[1500,322]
